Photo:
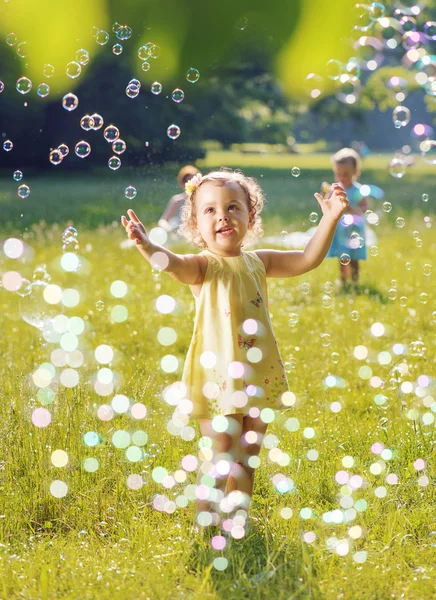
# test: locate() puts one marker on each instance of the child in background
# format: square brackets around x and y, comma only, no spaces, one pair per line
[349,238]
[170,219]
[233,368]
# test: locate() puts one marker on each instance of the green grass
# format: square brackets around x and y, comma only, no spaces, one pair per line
[104,540]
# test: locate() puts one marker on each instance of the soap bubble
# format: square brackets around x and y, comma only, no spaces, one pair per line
[400,222]
[24,85]
[401,116]
[428,151]
[18,175]
[55,157]
[82,149]
[99,305]
[130,192]
[117,49]
[135,82]
[11,39]
[64,150]
[102,37]
[352,68]
[295,171]
[145,66]
[119,146]
[33,307]
[334,69]
[178,95]
[144,51]
[23,50]
[192,75]
[114,163]
[132,90]
[397,167]
[376,11]
[69,234]
[154,51]
[43,90]
[429,29]
[23,191]
[2,86]
[7,145]
[313,217]
[173,131]
[73,69]
[98,121]
[123,32]
[70,102]
[82,56]
[111,133]
[156,88]
[387,207]
[87,122]
[241,23]
[345,259]
[425,197]
[48,70]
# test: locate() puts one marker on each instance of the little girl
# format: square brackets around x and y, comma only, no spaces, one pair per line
[233,371]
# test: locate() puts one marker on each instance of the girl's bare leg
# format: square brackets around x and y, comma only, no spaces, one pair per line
[225,447]
[242,476]
[355,270]
[345,272]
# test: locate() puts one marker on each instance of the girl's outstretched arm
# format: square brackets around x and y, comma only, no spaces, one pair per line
[181,267]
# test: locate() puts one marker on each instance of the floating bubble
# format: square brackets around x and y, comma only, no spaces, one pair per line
[7,145]
[102,37]
[400,222]
[119,146]
[376,11]
[192,75]
[64,150]
[70,234]
[295,171]
[369,52]
[144,51]
[401,116]
[124,32]
[70,102]
[23,50]
[154,51]
[313,217]
[2,86]
[48,70]
[425,197]
[428,151]
[82,56]
[23,191]
[11,39]
[132,90]
[82,149]
[34,309]
[111,133]
[24,85]
[178,95]
[241,23]
[55,157]
[43,90]
[130,192]
[99,305]
[114,163]
[349,89]
[156,88]
[429,30]
[387,207]
[98,121]
[345,259]
[86,122]
[352,68]
[334,69]
[173,131]
[73,69]
[18,175]
[145,66]
[397,167]
[117,49]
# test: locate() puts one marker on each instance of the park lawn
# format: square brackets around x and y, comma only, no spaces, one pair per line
[104,540]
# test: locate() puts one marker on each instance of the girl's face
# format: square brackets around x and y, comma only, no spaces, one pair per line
[222,206]
[345,174]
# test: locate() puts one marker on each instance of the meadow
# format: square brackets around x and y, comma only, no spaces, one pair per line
[364,406]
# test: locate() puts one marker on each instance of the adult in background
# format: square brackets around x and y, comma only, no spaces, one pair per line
[170,218]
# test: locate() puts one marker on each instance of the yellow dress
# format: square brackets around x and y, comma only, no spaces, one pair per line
[233,363]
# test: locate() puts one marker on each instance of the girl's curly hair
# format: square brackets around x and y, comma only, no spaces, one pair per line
[255,200]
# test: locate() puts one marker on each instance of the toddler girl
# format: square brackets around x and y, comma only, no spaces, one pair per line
[233,372]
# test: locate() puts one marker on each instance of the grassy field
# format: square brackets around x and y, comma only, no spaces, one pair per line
[369,415]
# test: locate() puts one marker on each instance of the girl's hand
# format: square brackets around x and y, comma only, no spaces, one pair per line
[334,206]
[135,229]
